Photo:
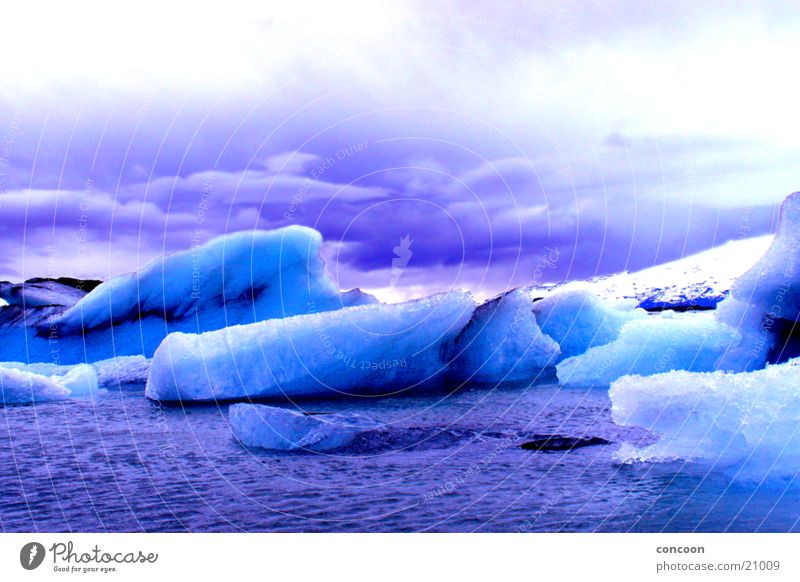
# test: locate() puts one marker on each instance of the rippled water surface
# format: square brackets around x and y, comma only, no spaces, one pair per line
[451,462]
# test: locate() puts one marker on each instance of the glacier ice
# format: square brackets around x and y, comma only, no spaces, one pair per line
[747,423]
[238,278]
[577,320]
[756,330]
[22,386]
[122,370]
[655,344]
[254,275]
[110,372]
[503,342]
[369,349]
[765,301]
[281,429]
[773,283]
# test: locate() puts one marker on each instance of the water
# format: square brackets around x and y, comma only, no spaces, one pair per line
[453,463]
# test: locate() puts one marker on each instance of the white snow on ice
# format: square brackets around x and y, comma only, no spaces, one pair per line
[699,280]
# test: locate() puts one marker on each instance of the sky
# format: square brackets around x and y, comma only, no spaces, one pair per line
[477,145]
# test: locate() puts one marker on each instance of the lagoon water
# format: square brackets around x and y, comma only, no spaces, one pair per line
[451,462]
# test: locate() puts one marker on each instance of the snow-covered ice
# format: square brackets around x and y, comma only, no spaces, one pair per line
[577,320]
[503,342]
[697,281]
[746,423]
[370,349]
[21,386]
[282,429]
[652,345]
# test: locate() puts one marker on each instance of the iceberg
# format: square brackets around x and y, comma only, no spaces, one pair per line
[234,279]
[765,301]
[514,337]
[653,345]
[773,283]
[757,332]
[755,324]
[122,370]
[246,276]
[503,342]
[365,350]
[746,423]
[281,429]
[577,320]
[21,386]
[111,372]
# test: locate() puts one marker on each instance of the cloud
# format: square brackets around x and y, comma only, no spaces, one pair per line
[291,162]
[250,187]
[622,134]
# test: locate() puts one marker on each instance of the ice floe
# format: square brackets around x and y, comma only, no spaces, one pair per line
[234,279]
[370,349]
[281,429]
[746,423]
[652,345]
[21,386]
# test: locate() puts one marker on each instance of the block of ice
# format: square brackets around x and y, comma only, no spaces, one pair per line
[577,320]
[655,344]
[122,370]
[254,275]
[765,301]
[234,279]
[111,372]
[746,423]
[773,283]
[21,386]
[281,429]
[757,331]
[370,349]
[503,342]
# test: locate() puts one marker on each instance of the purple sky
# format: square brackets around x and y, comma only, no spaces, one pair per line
[491,134]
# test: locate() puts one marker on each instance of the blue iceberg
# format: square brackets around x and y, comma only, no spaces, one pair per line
[234,279]
[365,350]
